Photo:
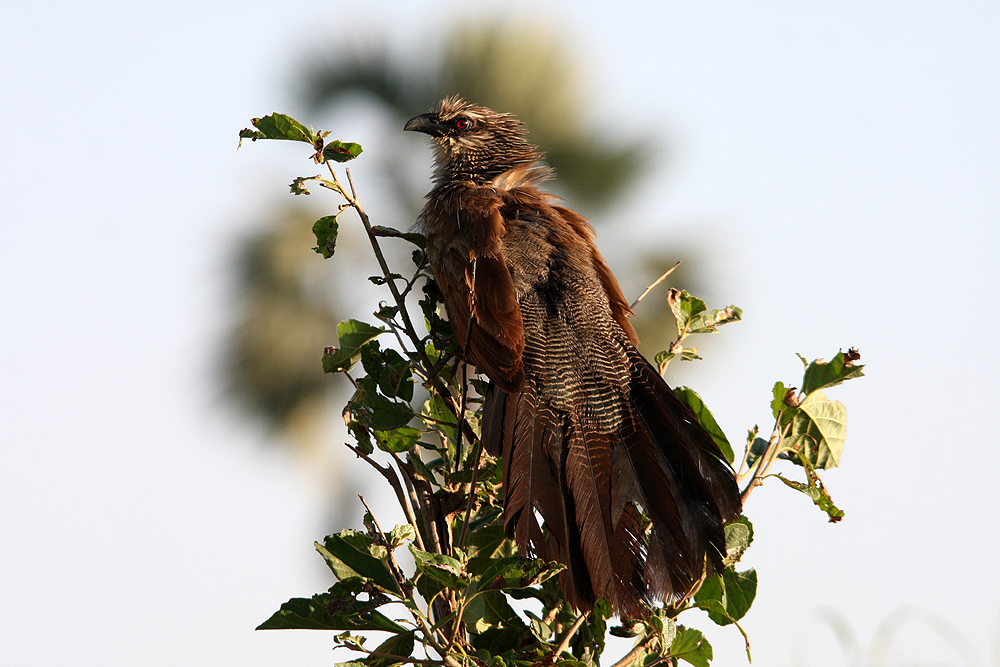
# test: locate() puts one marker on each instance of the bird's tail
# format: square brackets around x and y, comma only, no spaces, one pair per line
[633,505]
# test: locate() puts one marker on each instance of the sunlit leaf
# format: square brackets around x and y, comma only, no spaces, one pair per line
[343,557]
[739,536]
[442,568]
[691,646]
[727,597]
[704,416]
[397,440]
[341,151]
[278,126]
[818,430]
[820,375]
[352,335]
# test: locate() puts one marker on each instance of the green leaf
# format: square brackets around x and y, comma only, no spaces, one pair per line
[820,375]
[483,542]
[393,372]
[704,416]
[352,335]
[297,186]
[818,430]
[727,597]
[486,472]
[689,353]
[376,411]
[398,440]
[517,572]
[598,622]
[662,359]
[442,568]
[709,322]
[393,651]
[321,613]
[278,126]
[444,419]
[819,496]
[346,560]
[399,535]
[664,627]
[739,536]
[778,394]
[815,490]
[490,609]
[691,646]
[381,280]
[757,449]
[416,239]
[326,229]
[684,307]
[341,151]
[359,431]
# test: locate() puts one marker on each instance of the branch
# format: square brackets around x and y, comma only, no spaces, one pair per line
[655,283]
[766,459]
[411,332]
[635,653]
[564,644]
[391,477]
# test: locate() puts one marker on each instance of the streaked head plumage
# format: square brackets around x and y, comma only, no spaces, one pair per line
[473,142]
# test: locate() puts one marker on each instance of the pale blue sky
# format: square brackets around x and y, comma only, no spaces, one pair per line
[843,158]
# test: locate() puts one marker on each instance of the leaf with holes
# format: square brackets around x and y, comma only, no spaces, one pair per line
[278,126]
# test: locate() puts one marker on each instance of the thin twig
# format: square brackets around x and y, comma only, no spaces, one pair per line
[766,459]
[655,283]
[740,474]
[465,367]
[472,495]
[350,182]
[394,569]
[390,476]
[425,511]
[634,654]
[564,644]
[411,332]
[692,591]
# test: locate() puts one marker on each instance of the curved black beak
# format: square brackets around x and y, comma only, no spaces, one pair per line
[427,123]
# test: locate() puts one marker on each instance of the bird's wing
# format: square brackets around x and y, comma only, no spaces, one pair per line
[479,293]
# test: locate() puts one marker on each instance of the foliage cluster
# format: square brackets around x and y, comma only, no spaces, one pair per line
[470,599]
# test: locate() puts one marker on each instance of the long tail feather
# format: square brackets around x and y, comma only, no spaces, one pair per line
[589,483]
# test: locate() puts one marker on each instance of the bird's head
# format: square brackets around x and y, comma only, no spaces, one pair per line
[473,142]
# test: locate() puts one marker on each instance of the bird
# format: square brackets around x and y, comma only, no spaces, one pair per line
[605,470]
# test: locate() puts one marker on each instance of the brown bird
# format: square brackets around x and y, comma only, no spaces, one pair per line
[592,438]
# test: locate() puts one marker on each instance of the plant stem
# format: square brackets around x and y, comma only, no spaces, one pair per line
[411,332]
[635,653]
[393,479]
[655,283]
[564,644]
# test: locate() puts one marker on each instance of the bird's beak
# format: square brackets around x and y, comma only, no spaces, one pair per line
[427,123]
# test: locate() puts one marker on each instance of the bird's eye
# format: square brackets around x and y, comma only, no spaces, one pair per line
[463,124]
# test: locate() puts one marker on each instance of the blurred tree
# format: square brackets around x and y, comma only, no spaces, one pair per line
[528,69]
[272,351]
